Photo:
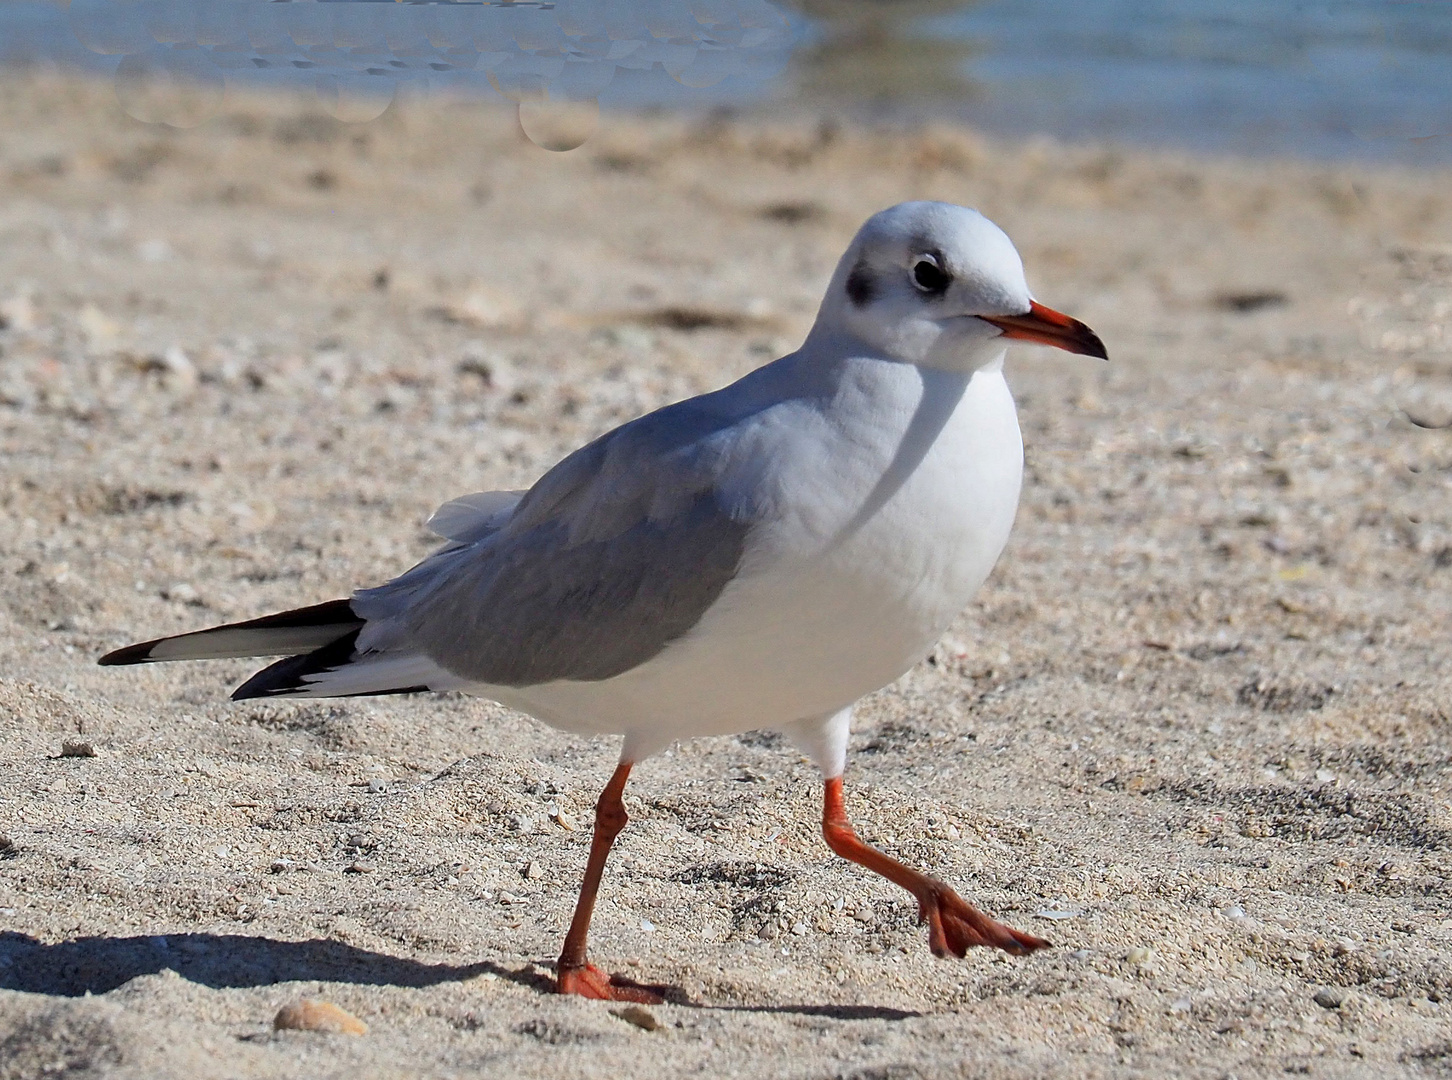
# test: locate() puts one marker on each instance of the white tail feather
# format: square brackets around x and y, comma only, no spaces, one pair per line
[376,675]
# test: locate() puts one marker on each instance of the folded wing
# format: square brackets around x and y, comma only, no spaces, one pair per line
[616,552]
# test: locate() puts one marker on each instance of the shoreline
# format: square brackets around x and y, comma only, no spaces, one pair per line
[797,110]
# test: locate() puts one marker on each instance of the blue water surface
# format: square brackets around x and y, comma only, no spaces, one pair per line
[1342,79]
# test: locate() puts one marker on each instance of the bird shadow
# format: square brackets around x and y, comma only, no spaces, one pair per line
[829,1012]
[96,965]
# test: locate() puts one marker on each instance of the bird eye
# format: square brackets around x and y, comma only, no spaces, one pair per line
[929,277]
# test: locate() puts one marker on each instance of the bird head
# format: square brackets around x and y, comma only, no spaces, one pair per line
[940,285]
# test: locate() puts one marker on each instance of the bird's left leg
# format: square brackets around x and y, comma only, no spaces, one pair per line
[575,974]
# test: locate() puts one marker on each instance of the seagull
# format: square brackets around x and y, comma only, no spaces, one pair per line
[758,557]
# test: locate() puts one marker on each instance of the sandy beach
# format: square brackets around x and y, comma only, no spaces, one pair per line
[1197,728]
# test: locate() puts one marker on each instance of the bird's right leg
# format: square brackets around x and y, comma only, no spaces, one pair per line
[575,974]
[954,925]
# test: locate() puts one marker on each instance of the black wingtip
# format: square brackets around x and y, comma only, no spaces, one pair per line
[332,613]
[288,674]
[139,653]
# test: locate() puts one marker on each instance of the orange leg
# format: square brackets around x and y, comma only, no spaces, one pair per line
[953,923]
[575,973]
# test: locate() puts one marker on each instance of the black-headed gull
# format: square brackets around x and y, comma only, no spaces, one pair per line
[758,557]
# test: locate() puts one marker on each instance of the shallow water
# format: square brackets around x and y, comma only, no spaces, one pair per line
[1351,79]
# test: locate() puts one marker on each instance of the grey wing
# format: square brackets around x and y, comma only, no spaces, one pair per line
[616,552]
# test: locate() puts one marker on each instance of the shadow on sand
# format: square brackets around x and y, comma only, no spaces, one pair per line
[221,961]
[230,961]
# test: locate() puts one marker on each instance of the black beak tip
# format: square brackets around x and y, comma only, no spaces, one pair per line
[1088,343]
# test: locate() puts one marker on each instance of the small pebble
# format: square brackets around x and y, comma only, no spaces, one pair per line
[182,593]
[308,1015]
[1234,911]
[533,871]
[71,748]
[1329,998]
[1139,955]
[359,867]
[647,926]
[800,928]
[638,1015]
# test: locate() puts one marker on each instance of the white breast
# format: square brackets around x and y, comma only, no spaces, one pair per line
[893,516]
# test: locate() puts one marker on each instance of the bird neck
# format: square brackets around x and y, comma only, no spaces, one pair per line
[829,341]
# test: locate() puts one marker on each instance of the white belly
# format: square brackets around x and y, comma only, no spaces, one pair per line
[817,618]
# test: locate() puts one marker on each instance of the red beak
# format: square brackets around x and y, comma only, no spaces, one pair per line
[1045,326]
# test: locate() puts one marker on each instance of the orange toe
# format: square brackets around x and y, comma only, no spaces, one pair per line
[590,982]
[955,926]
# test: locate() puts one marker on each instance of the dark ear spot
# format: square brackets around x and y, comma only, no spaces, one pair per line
[861,285]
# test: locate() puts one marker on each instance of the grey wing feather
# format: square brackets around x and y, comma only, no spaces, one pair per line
[615,553]
[472,517]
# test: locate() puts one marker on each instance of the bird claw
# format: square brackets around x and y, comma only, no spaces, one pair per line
[588,981]
[955,926]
